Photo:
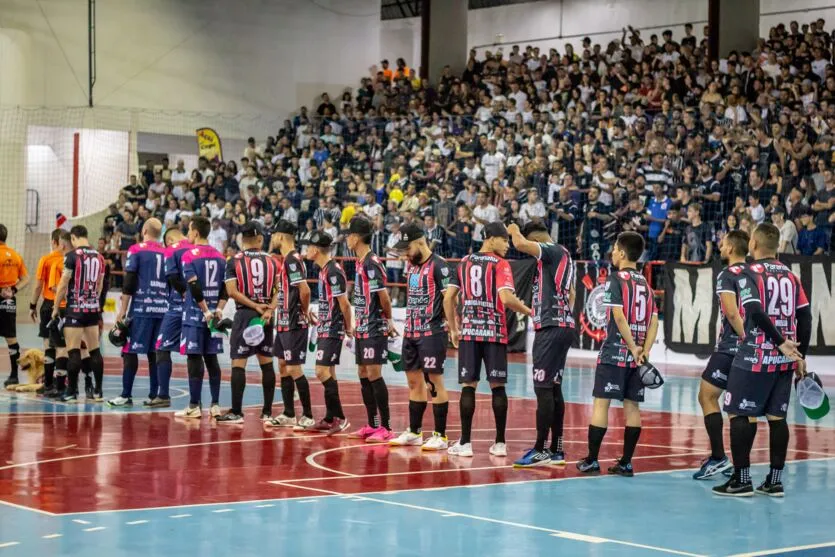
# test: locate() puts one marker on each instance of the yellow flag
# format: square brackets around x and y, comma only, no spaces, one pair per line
[208,144]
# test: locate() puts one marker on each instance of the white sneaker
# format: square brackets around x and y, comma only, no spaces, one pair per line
[304,423]
[282,421]
[459,449]
[214,411]
[407,439]
[265,418]
[120,401]
[498,449]
[192,412]
[435,443]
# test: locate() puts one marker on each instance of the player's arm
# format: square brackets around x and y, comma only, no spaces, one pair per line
[23,276]
[523,244]
[451,313]
[61,293]
[129,287]
[36,292]
[708,251]
[731,311]
[626,333]
[345,306]
[240,298]
[304,300]
[572,294]
[378,286]
[513,303]
[177,283]
[759,317]
[223,298]
[652,332]
[197,295]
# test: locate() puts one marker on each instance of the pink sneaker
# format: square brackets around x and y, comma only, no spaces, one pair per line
[381,435]
[363,433]
[337,426]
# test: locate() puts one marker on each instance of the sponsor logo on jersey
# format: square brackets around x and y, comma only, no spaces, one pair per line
[444,271]
[743,282]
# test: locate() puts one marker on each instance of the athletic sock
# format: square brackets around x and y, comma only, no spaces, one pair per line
[303,387]
[381,397]
[164,367]
[97,365]
[596,435]
[742,439]
[213,367]
[775,475]
[544,415]
[466,406]
[130,366]
[268,387]
[49,368]
[713,425]
[14,354]
[334,408]
[370,401]
[195,378]
[778,446]
[287,390]
[630,441]
[238,387]
[440,411]
[61,373]
[559,418]
[416,410]
[73,369]
[499,412]
[153,390]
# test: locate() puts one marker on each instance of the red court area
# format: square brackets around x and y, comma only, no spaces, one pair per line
[104,461]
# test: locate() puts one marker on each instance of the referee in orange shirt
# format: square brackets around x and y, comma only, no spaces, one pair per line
[12,278]
[48,275]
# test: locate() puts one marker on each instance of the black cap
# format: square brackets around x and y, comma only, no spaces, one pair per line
[286,227]
[408,234]
[252,229]
[321,240]
[495,229]
[360,225]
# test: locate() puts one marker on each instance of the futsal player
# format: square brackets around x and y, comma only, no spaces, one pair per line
[292,318]
[203,269]
[733,248]
[554,326]
[485,282]
[251,281]
[47,275]
[334,323]
[778,327]
[145,302]
[12,278]
[81,285]
[372,310]
[425,339]
[633,324]
[168,340]
[56,328]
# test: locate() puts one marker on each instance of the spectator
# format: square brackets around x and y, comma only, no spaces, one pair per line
[533,210]
[812,239]
[788,232]
[594,244]
[461,233]
[288,213]
[657,209]
[697,246]
[568,219]
[180,176]
[672,237]
[435,235]
[134,191]
[484,213]
[218,238]
[755,209]
[127,232]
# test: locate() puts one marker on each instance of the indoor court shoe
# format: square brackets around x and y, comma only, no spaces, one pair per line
[712,466]
[621,469]
[11,381]
[461,449]
[41,390]
[53,393]
[69,397]
[363,433]
[119,401]
[148,402]
[380,435]
[230,418]
[533,458]
[498,449]
[283,420]
[734,488]
[99,397]
[191,412]
[407,439]
[588,467]
[435,443]
[215,411]
[304,424]
[160,403]
[88,387]
[338,425]
[265,418]
[770,489]
[558,458]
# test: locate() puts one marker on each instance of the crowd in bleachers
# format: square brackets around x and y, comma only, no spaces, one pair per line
[632,135]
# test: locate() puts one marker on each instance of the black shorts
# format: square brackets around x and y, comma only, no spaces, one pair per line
[81,320]
[426,354]
[717,370]
[472,354]
[8,318]
[45,316]
[291,346]
[238,348]
[372,351]
[618,383]
[550,348]
[328,351]
[758,394]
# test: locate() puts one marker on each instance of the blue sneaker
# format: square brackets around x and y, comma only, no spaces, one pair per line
[533,458]
[621,469]
[712,466]
[558,458]
[588,467]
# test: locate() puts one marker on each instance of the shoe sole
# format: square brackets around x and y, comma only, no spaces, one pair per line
[432,449]
[622,474]
[714,473]
[189,417]
[227,422]
[767,494]
[534,465]
[738,494]
[557,462]
[470,455]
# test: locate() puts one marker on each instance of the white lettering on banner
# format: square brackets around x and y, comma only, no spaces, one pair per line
[821,302]
[691,315]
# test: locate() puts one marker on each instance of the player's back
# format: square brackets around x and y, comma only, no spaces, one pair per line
[50,269]
[205,264]
[481,276]
[12,268]
[87,266]
[291,273]
[147,261]
[727,283]
[627,289]
[332,284]
[425,297]
[551,292]
[255,272]
[174,267]
[370,280]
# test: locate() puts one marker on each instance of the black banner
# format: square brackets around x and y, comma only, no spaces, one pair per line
[591,315]
[517,324]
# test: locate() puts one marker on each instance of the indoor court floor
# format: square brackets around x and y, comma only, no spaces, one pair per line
[88,480]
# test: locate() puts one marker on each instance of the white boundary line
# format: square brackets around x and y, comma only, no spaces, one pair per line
[784,550]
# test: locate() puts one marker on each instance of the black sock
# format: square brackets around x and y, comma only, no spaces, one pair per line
[559,418]
[381,396]
[440,411]
[194,365]
[416,410]
[334,407]
[287,390]
[713,425]
[49,368]
[500,412]
[268,387]
[743,434]
[544,415]
[238,387]
[778,446]
[630,441]
[14,354]
[97,365]
[369,401]
[466,406]
[86,366]
[61,373]
[596,435]
[73,369]
[303,387]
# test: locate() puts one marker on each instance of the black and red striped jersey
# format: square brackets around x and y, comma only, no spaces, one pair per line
[552,288]
[370,281]
[255,272]
[291,273]
[425,297]
[87,267]
[628,290]
[769,284]
[727,282]
[332,285]
[480,277]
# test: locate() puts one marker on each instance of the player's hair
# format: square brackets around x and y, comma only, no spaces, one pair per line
[56,235]
[202,225]
[66,237]
[632,245]
[739,241]
[172,230]
[153,227]
[4,232]
[767,236]
[79,231]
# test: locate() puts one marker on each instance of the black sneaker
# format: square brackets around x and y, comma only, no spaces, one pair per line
[159,403]
[770,489]
[41,390]
[734,488]
[53,393]
[88,388]
[588,467]
[621,469]
[11,381]
[230,418]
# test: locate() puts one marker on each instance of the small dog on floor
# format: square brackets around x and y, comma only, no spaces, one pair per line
[31,362]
